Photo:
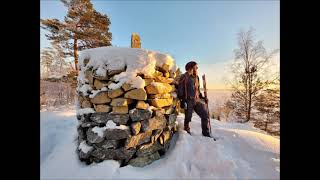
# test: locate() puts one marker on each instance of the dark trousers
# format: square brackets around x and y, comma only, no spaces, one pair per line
[201,109]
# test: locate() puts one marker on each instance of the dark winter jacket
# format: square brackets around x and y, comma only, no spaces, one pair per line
[192,87]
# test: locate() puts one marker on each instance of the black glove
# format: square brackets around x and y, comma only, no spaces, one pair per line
[205,99]
[183,104]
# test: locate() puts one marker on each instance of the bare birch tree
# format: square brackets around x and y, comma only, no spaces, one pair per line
[250,75]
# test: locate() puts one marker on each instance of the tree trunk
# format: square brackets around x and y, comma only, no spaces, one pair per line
[249,113]
[249,104]
[75,53]
[249,97]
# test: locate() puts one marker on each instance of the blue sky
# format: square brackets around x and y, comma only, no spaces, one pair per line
[201,30]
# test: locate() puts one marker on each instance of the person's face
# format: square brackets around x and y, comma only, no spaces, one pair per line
[195,70]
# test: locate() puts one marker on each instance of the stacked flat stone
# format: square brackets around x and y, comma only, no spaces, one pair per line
[130,125]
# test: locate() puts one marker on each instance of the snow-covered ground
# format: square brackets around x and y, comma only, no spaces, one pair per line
[241,152]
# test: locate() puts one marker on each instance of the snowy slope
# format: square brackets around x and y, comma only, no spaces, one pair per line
[240,153]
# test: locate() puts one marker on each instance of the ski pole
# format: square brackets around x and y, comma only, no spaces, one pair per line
[206,96]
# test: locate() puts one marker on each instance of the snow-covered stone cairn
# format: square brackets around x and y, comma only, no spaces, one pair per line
[126,105]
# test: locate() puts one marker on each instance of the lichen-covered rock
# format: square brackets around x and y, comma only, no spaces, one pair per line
[148,81]
[155,135]
[108,144]
[99,117]
[169,110]
[164,79]
[172,119]
[173,75]
[148,149]
[165,136]
[100,98]
[121,102]
[98,84]
[104,117]
[157,73]
[160,96]
[86,103]
[100,77]
[161,102]
[153,123]
[165,148]
[89,76]
[81,133]
[84,117]
[173,127]
[166,67]
[94,137]
[115,93]
[144,160]
[135,128]
[116,71]
[127,87]
[120,110]
[83,155]
[139,139]
[158,88]
[167,74]
[148,76]
[159,112]
[116,154]
[89,124]
[117,134]
[139,114]
[142,105]
[102,108]
[138,94]
[80,98]
[84,150]
[119,119]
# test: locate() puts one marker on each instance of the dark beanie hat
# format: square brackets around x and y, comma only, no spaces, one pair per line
[190,65]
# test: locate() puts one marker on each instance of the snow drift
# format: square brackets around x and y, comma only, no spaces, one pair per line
[241,152]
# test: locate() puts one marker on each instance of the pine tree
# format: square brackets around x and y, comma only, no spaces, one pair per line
[268,105]
[83,27]
[47,58]
[59,57]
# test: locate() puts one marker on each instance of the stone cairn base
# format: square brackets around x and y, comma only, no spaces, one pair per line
[132,126]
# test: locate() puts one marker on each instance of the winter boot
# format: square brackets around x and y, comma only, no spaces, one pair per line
[187,128]
[208,135]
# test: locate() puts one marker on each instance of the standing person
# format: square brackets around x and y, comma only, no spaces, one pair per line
[190,96]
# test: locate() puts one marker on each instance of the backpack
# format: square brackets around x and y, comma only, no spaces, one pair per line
[182,90]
